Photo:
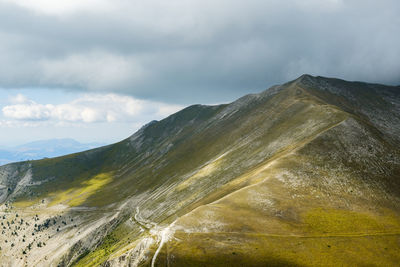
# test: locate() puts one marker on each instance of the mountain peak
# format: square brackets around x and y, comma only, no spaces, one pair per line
[305,76]
[237,183]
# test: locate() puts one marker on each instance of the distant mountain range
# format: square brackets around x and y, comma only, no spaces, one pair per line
[306,173]
[43,149]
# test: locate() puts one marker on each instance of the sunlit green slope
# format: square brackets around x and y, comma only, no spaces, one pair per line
[306,173]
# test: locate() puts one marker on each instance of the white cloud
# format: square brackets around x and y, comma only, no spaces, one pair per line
[19,99]
[23,108]
[61,7]
[88,108]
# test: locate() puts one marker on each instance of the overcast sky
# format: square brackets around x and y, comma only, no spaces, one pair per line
[96,70]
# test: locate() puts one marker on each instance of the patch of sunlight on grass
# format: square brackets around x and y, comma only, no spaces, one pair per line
[345,221]
[25,203]
[76,196]
[241,249]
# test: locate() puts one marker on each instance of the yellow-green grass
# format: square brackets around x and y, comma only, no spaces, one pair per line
[26,203]
[123,238]
[241,249]
[96,257]
[75,195]
[325,220]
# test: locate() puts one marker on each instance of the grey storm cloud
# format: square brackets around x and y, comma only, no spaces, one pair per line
[195,51]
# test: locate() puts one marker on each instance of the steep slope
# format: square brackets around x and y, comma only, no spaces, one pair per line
[306,173]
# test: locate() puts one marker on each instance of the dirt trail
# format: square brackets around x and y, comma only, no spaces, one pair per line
[160,235]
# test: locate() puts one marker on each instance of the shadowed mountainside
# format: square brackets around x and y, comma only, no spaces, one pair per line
[305,173]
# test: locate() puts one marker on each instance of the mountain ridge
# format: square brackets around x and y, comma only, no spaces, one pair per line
[209,184]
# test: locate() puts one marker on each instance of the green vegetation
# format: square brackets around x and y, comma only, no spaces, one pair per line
[119,241]
[76,196]
[263,250]
[343,221]
[303,174]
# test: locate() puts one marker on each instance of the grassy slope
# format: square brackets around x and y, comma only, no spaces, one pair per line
[302,121]
[253,172]
[332,202]
[299,214]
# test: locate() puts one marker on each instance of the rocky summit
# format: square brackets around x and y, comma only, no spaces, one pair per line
[302,174]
